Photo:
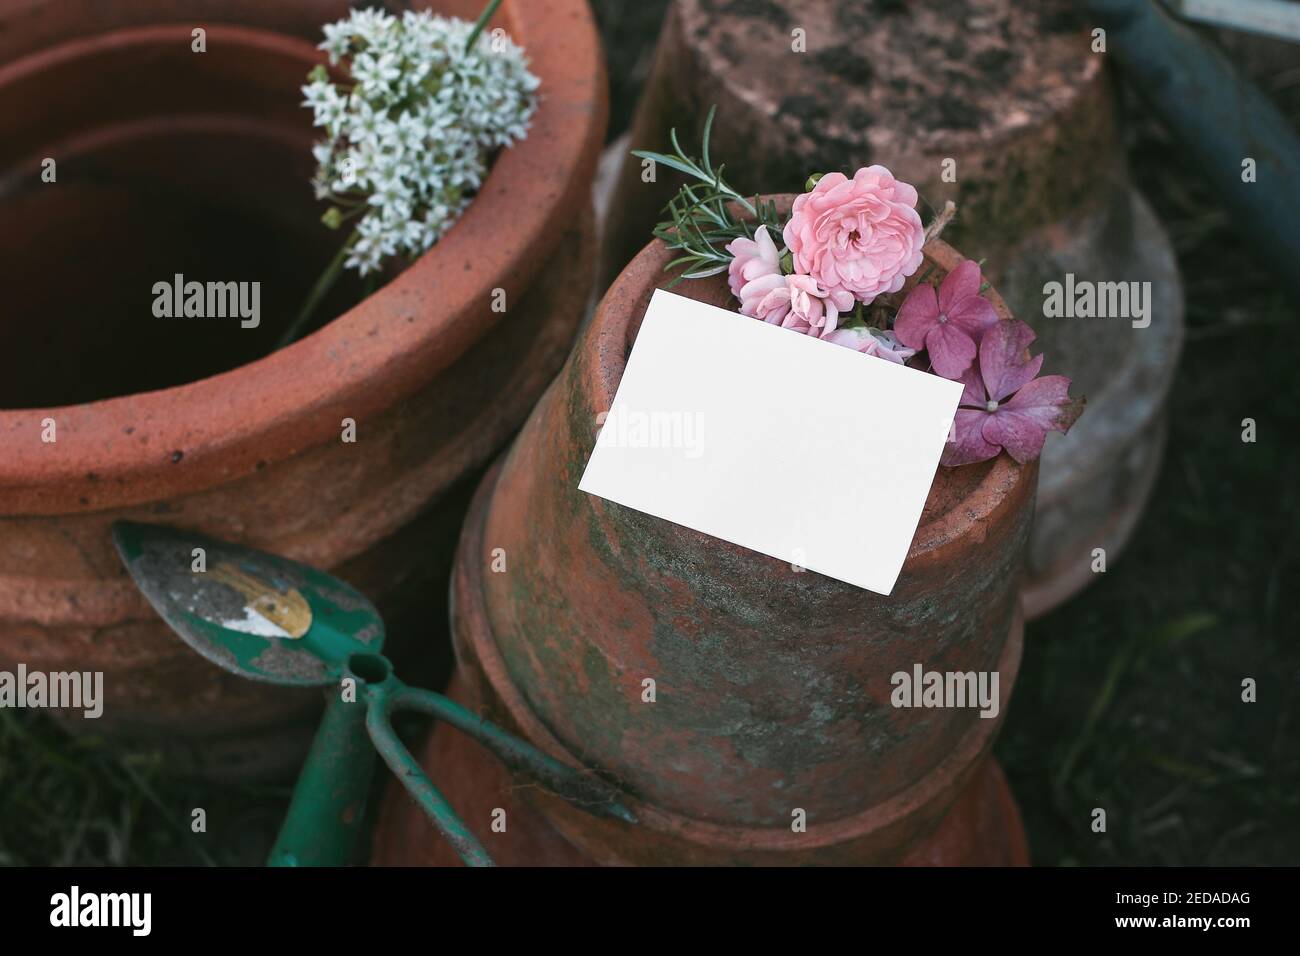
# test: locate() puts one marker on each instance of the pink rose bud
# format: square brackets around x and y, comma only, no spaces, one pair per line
[755,270]
[883,345]
[800,304]
[860,236]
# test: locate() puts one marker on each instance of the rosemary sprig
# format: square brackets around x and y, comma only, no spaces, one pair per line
[700,223]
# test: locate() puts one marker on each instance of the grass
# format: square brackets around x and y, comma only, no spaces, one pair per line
[73,800]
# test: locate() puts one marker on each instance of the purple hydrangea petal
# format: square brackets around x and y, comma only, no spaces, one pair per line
[950,349]
[1019,434]
[975,394]
[969,444]
[975,315]
[1021,425]
[1048,399]
[963,282]
[916,316]
[1018,377]
[1002,358]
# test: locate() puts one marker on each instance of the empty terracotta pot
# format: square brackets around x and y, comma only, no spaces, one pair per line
[171,161]
[772,685]
[1001,107]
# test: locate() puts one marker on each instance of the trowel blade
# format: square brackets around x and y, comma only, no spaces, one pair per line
[255,614]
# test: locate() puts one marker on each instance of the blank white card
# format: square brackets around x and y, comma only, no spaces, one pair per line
[800,449]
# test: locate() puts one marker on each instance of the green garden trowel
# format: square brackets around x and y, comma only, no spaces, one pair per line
[274,620]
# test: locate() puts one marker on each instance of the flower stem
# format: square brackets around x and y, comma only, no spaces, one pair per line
[481,22]
[318,292]
[940,222]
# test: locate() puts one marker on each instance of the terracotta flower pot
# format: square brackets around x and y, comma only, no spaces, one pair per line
[174,161]
[1017,110]
[772,685]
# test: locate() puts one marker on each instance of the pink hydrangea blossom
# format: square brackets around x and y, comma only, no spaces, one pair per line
[883,345]
[948,325]
[799,303]
[861,235]
[1004,406]
[755,270]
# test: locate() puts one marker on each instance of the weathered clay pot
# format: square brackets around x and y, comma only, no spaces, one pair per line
[982,828]
[174,161]
[1014,96]
[773,685]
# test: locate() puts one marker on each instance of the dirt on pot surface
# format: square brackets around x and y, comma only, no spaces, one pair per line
[921,69]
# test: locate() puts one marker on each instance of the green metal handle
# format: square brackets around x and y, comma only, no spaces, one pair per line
[580,788]
[329,800]
[573,785]
[384,700]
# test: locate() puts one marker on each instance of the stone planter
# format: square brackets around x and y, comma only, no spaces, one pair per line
[772,685]
[174,161]
[1012,102]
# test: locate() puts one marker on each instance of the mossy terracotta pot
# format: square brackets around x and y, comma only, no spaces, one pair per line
[174,161]
[772,684]
[1006,110]
[981,828]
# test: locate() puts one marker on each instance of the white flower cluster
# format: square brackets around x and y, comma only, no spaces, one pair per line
[409,143]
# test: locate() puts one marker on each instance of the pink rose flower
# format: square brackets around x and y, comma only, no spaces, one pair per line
[947,325]
[861,235]
[799,303]
[755,270]
[1004,406]
[883,345]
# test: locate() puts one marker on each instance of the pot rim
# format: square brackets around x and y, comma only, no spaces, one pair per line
[612,336]
[221,428]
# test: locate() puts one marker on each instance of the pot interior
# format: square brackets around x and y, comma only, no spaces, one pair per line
[168,162]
